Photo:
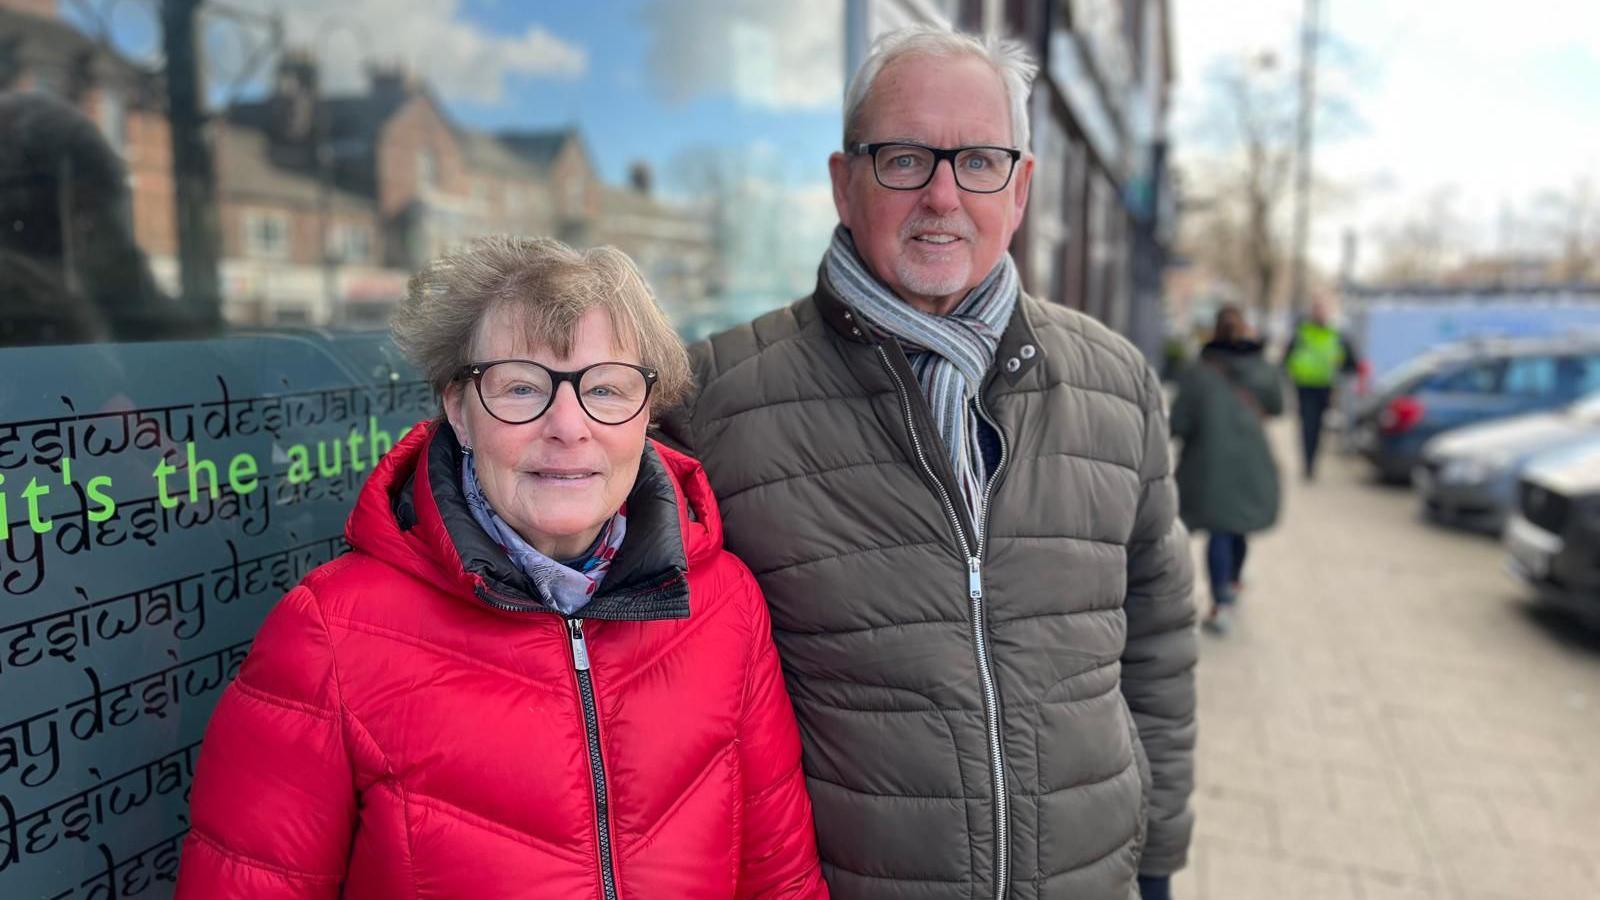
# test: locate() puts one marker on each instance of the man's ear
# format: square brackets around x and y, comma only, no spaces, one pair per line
[1024,180]
[839,174]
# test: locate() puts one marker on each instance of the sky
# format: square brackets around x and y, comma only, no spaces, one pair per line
[1485,102]
[1488,102]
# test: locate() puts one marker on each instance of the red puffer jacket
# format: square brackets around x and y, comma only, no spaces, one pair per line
[410,723]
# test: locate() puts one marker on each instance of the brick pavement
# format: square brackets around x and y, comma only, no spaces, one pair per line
[1389,719]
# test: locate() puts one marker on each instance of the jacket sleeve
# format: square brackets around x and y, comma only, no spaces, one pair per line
[1352,360]
[778,856]
[1266,383]
[1291,347]
[1158,662]
[1183,415]
[273,804]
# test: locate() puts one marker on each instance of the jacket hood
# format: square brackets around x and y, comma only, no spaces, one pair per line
[1231,348]
[412,515]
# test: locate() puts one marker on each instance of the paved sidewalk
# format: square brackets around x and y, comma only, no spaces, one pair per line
[1389,719]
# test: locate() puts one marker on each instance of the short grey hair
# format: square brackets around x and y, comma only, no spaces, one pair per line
[546,287]
[1010,60]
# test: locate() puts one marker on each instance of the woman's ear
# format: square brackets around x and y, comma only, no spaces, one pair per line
[454,397]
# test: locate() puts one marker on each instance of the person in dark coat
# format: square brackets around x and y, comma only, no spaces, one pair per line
[70,269]
[1227,478]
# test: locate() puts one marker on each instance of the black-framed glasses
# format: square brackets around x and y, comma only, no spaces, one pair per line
[517,391]
[903,166]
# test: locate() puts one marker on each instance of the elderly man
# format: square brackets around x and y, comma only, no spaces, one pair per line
[958,501]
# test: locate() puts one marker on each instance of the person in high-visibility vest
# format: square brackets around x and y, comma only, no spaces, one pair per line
[1317,355]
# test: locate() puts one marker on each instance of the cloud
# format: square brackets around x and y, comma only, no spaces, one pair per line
[1493,32]
[1494,103]
[764,54]
[461,60]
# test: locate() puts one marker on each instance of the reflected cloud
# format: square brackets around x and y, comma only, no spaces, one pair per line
[769,55]
[458,58]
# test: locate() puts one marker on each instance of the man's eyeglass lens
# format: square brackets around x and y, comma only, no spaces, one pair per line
[908,167]
[519,392]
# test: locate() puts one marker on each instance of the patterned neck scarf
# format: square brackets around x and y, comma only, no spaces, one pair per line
[950,354]
[563,588]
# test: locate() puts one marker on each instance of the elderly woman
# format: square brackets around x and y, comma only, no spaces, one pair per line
[538,674]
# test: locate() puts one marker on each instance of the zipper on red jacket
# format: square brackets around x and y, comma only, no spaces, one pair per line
[980,629]
[597,770]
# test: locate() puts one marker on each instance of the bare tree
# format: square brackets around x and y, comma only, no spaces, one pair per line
[1426,245]
[1239,152]
[1568,224]
[1553,238]
[1239,226]
[1268,158]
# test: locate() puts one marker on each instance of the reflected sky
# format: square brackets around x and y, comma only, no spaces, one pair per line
[645,80]
[665,77]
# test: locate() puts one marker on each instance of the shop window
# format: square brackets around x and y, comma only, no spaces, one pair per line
[266,235]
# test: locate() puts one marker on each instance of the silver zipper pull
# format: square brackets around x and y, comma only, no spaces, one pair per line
[580,649]
[974,578]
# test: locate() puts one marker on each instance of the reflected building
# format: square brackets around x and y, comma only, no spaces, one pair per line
[327,203]
[367,188]
[71,267]
[41,52]
[672,244]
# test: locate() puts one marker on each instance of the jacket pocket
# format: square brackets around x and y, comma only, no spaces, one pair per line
[1146,780]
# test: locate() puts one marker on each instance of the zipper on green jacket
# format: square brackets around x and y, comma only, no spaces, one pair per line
[980,637]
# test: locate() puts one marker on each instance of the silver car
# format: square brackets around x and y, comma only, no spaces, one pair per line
[1553,538]
[1468,477]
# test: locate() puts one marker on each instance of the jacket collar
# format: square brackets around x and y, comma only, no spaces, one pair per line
[1232,348]
[1019,351]
[412,514]
[838,314]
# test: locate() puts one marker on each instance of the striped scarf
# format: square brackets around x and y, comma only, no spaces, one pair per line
[950,354]
[562,588]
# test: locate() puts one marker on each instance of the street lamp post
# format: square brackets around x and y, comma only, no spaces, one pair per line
[194,177]
[324,151]
[1305,138]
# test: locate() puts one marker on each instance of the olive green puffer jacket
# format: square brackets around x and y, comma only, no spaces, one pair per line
[1051,666]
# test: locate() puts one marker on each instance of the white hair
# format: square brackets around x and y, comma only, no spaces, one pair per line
[1010,60]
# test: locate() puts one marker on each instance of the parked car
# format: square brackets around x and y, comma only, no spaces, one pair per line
[1466,384]
[1553,539]
[1468,477]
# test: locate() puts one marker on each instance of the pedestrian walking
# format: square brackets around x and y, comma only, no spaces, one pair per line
[1227,478]
[1316,357]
